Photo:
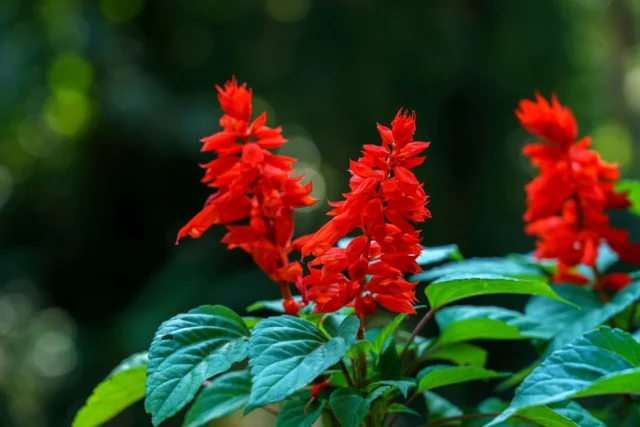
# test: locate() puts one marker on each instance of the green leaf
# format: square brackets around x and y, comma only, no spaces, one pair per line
[403,386]
[593,318]
[440,375]
[331,324]
[437,254]
[556,315]
[547,417]
[286,353]
[461,354]
[438,407]
[396,408]
[251,321]
[273,305]
[225,395]
[188,349]
[605,361]
[577,414]
[557,415]
[475,266]
[606,257]
[633,189]
[123,387]
[386,333]
[478,329]
[388,366]
[292,413]
[456,287]
[359,348]
[350,406]
[527,326]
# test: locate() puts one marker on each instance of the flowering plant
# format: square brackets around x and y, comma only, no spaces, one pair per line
[318,361]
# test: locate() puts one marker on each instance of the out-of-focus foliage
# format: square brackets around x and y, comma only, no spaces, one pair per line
[103,102]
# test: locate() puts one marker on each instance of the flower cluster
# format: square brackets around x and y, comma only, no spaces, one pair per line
[566,203]
[252,183]
[385,202]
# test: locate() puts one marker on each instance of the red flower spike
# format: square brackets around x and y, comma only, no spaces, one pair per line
[566,202]
[252,185]
[385,202]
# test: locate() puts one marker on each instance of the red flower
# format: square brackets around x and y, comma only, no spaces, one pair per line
[253,185]
[566,203]
[385,202]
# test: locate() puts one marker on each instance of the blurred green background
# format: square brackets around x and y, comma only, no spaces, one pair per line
[102,104]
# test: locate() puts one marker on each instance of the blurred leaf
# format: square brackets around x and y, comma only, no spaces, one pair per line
[188,349]
[396,408]
[474,266]
[123,387]
[459,286]
[286,353]
[388,366]
[440,375]
[461,354]
[606,257]
[296,413]
[437,254]
[225,395]
[438,408]
[251,321]
[273,305]
[605,361]
[633,189]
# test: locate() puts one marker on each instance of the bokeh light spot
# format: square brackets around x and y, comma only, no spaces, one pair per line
[319,186]
[288,10]
[303,149]
[614,143]
[632,89]
[54,354]
[70,71]
[67,112]
[120,11]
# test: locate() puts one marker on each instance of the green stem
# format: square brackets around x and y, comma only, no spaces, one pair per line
[345,372]
[425,319]
[360,368]
[602,292]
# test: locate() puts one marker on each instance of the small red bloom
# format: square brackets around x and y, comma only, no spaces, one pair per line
[566,203]
[252,185]
[385,202]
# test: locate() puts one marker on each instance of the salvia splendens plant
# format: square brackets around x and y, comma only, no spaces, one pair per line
[318,362]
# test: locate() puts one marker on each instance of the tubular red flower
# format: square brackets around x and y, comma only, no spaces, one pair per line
[566,202]
[252,185]
[385,201]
